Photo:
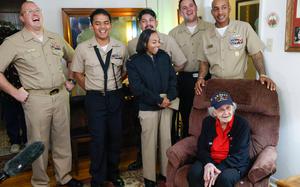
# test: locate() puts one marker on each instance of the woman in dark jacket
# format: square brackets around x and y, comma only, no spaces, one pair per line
[152,80]
[223,146]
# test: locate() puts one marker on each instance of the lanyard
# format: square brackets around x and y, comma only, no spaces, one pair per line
[104,66]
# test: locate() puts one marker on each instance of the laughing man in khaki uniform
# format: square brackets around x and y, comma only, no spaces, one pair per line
[37,54]
[226,46]
[188,37]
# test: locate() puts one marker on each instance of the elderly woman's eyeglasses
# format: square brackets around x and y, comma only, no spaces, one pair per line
[36,11]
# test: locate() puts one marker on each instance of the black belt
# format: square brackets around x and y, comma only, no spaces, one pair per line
[192,74]
[102,93]
[45,91]
[54,91]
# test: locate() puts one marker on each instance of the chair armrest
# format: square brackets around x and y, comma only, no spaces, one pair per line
[180,152]
[264,165]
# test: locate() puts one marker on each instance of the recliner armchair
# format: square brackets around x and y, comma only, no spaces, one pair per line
[255,103]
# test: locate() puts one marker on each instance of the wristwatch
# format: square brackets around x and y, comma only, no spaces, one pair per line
[73,81]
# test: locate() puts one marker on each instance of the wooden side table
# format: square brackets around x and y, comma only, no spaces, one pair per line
[293,181]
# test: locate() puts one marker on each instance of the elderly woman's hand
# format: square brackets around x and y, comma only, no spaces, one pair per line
[210,174]
[213,180]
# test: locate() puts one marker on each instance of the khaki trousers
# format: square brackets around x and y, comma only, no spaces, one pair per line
[48,119]
[156,126]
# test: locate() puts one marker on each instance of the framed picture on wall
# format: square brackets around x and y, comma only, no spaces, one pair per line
[76,24]
[292,28]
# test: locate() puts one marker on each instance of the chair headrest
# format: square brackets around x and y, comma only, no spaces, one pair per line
[250,95]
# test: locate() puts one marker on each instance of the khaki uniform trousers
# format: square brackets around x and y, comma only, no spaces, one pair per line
[156,126]
[48,119]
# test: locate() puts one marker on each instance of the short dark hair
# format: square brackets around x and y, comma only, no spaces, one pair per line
[141,46]
[99,11]
[181,1]
[146,11]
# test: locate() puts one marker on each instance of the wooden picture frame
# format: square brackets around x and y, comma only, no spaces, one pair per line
[292,28]
[69,13]
[179,17]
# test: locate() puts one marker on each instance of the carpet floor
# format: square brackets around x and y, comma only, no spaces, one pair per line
[131,179]
[4,142]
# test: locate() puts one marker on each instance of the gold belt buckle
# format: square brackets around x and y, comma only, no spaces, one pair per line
[54,91]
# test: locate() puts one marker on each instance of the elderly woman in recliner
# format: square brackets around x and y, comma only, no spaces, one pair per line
[223,146]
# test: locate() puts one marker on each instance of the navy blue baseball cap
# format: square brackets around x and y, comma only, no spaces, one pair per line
[220,98]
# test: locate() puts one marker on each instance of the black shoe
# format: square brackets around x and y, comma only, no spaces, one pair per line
[149,183]
[118,182]
[95,184]
[138,164]
[160,177]
[74,183]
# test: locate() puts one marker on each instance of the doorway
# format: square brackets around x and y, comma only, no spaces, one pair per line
[248,11]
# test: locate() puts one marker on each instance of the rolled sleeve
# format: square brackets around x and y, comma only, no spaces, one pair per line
[77,62]
[201,55]
[254,44]
[7,53]
[68,51]
[177,56]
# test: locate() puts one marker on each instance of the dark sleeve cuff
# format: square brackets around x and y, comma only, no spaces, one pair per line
[159,100]
[171,97]
[221,166]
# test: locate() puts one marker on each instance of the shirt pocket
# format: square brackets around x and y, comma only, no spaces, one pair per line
[117,59]
[210,50]
[58,52]
[31,55]
[211,54]
[236,46]
[117,62]
[32,58]
[93,68]
[182,43]
[236,51]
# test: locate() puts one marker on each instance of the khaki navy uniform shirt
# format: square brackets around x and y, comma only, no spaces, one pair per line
[167,43]
[39,64]
[228,55]
[189,42]
[86,61]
